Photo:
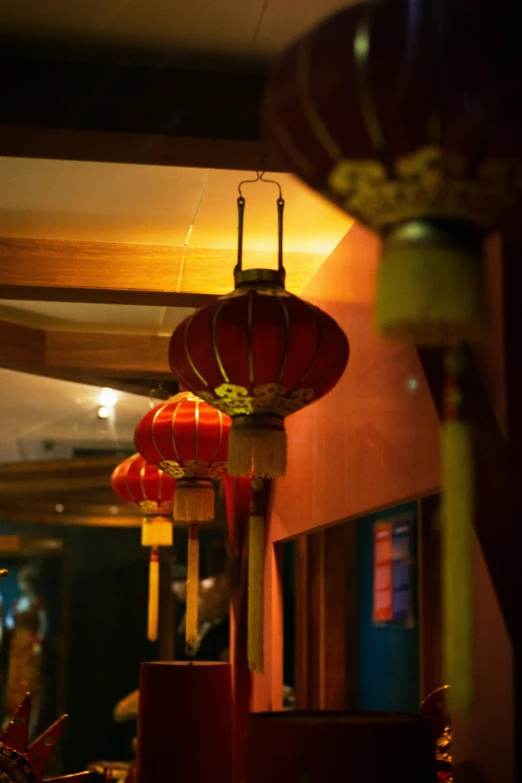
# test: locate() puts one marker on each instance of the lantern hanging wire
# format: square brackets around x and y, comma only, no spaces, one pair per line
[241,201]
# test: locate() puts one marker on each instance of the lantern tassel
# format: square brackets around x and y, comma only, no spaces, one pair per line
[431,288]
[257,450]
[457,532]
[194,500]
[156,531]
[256,551]
[153,612]
[191,617]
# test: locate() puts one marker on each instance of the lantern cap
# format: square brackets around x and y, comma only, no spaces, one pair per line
[250,276]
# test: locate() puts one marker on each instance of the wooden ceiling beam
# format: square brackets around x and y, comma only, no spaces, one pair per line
[102,272]
[58,467]
[133,148]
[122,520]
[129,363]
[14,514]
[131,114]
[56,484]
[21,346]
[141,356]
[50,476]
[118,273]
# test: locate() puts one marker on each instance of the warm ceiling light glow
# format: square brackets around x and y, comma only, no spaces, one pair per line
[104,412]
[59,508]
[108,398]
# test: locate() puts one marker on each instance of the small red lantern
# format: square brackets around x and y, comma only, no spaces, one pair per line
[188,439]
[140,482]
[258,354]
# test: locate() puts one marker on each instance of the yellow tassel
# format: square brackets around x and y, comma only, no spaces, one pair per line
[191,617]
[156,531]
[152,620]
[257,451]
[430,288]
[256,558]
[194,501]
[457,553]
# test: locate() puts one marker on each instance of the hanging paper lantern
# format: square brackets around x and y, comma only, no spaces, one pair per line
[188,439]
[393,111]
[140,482]
[21,762]
[258,354]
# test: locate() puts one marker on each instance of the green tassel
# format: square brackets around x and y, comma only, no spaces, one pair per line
[430,285]
[457,548]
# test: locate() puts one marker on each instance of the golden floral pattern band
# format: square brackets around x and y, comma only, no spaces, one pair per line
[428,182]
[270,399]
[194,468]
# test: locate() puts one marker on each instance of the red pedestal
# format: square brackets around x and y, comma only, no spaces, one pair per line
[184,723]
[336,747]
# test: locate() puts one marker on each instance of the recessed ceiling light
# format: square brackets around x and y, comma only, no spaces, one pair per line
[59,508]
[104,412]
[107,398]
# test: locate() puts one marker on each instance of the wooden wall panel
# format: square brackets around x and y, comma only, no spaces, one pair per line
[325,648]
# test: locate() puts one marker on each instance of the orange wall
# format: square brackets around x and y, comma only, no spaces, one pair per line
[373,442]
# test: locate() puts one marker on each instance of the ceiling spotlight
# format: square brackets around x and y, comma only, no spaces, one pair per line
[114,510]
[59,508]
[108,398]
[104,412]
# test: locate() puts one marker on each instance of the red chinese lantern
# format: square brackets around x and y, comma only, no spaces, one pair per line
[188,440]
[140,482]
[392,111]
[258,354]
[408,115]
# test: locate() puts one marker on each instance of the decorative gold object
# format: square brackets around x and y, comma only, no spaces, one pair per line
[434,707]
[193,468]
[429,181]
[24,763]
[268,399]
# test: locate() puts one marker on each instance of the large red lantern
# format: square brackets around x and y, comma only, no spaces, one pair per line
[136,481]
[188,439]
[394,111]
[258,354]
